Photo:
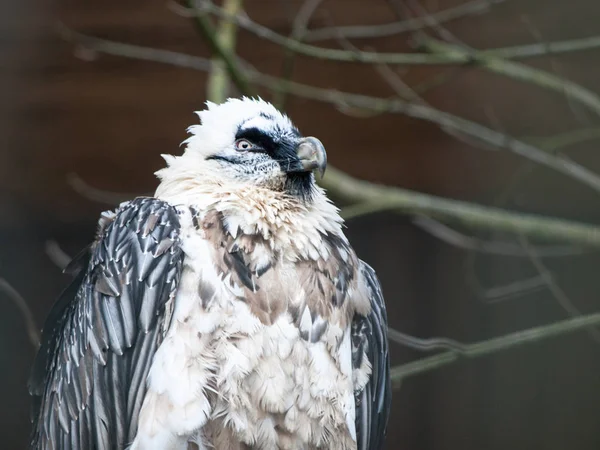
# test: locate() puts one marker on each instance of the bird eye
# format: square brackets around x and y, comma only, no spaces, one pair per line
[243,144]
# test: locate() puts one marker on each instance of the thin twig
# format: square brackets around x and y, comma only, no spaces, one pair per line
[31,328]
[134,51]
[95,194]
[56,254]
[424,345]
[243,21]
[494,345]
[517,288]
[520,288]
[218,81]
[536,34]
[206,30]
[547,48]
[444,120]
[457,239]
[299,29]
[375,197]
[566,139]
[432,22]
[263,32]
[518,71]
[403,26]
[557,292]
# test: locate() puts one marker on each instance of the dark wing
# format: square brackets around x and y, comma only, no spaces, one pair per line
[369,337]
[88,379]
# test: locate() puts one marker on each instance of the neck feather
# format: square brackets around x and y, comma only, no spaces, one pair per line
[285,220]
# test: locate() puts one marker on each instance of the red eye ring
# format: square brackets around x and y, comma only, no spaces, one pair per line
[243,144]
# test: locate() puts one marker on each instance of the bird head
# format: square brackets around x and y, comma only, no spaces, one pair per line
[249,142]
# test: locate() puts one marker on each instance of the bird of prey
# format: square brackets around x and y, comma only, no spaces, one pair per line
[226,312]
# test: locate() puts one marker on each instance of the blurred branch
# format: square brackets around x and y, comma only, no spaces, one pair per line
[432,23]
[403,26]
[457,239]
[133,51]
[299,29]
[547,48]
[424,345]
[518,288]
[517,71]
[207,31]
[557,292]
[494,345]
[95,194]
[450,57]
[266,33]
[566,139]
[218,81]
[441,118]
[376,197]
[56,254]
[19,301]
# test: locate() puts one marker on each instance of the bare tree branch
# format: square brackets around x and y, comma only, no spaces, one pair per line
[56,254]
[494,345]
[514,289]
[432,22]
[134,51]
[299,29]
[206,30]
[445,121]
[566,139]
[263,32]
[378,198]
[424,345]
[557,292]
[218,82]
[518,71]
[403,26]
[456,239]
[19,301]
[547,48]
[95,194]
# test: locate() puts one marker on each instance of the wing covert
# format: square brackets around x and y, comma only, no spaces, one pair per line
[98,342]
[369,338]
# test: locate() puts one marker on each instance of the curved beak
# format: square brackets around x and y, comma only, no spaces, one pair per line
[311,155]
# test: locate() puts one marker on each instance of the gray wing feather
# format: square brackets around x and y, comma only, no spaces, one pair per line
[88,379]
[369,337]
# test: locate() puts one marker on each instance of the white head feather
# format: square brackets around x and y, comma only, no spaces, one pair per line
[219,123]
[252,190]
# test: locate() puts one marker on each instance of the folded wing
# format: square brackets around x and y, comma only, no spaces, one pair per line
[88,379]
[369,338]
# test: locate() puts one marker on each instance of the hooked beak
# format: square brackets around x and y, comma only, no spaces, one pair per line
[311,155]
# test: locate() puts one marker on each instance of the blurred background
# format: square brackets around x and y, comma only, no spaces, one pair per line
[83,124]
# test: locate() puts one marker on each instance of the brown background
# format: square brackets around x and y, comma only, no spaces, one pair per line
[109,119]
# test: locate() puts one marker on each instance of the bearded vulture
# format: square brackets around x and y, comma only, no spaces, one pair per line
[226,312]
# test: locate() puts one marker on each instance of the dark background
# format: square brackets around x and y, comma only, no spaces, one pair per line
[64,110]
